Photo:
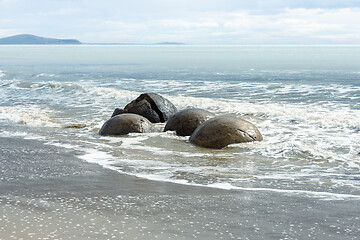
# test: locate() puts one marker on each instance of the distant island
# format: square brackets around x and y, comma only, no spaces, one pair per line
[32,39]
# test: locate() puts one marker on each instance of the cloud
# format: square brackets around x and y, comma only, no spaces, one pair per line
[62,12]
[8,32]
[316,23]
[291,21]
[121,25]
[179,23]
[291,26]
[6,21]
[197,22]
[295,24]
[2,2]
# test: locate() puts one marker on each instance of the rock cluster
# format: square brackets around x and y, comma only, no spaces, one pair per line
[204,129]
[151,106]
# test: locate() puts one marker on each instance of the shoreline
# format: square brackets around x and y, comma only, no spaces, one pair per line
[47,192]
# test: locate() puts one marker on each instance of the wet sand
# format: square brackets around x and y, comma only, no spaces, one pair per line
[47,192]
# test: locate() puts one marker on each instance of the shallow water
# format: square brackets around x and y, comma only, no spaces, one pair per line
[304,100]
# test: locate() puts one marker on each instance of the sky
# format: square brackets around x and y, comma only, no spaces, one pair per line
[205,22]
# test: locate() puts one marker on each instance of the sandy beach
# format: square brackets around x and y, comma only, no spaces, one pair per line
[247,122]
[49,193]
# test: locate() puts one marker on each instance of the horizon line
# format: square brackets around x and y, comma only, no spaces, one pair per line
[189,45]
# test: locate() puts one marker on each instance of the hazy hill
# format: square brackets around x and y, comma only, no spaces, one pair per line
[32,39]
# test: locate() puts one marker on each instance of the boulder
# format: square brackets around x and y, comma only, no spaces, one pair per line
[218,132]
[118,111]
[151,106]
[144,108]
[126,123]
[186,121]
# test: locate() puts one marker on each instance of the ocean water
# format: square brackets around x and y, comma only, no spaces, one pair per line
[305,100]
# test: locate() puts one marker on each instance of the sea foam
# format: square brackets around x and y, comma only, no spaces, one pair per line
[31,115]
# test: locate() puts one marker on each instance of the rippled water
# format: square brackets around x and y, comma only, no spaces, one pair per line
[304,100]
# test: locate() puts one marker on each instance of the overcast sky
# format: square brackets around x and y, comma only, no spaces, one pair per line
[188,21]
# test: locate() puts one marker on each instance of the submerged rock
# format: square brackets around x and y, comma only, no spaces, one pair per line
[75,125]
[186,121]
[126,123]
[151,106]
[221,131]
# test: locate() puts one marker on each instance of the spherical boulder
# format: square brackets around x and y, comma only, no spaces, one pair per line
[218,132]
[152,106]
[186,121]
[126,123]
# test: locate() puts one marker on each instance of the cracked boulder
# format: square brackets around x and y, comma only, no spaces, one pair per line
[126,123]
[218,132]
[151,106]
[186,121]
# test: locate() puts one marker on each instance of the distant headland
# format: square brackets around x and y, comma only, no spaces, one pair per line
[32,39]
[23,39]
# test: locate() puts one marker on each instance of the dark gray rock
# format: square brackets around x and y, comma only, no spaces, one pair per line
[186,121]
[126,123]
[152,106]
[144,109]
[118,111]
[221,131]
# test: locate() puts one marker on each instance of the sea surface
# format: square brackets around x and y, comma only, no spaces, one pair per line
[305,100]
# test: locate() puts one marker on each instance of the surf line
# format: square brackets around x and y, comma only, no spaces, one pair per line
[104,159]
[228,186]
